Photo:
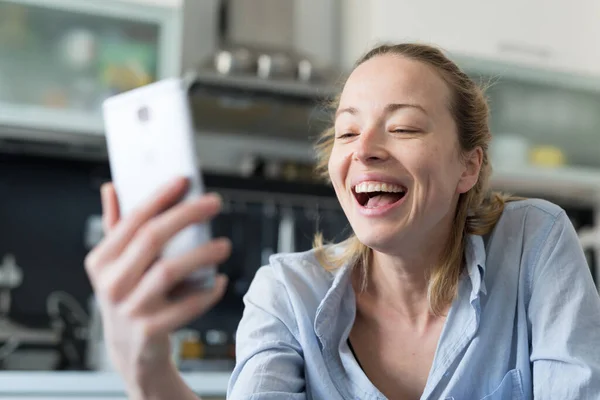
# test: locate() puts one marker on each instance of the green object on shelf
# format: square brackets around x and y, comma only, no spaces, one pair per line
[126,64]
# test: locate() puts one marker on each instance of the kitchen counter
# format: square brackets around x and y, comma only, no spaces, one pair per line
[93,385]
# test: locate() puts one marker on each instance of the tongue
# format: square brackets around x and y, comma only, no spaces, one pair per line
[383,199]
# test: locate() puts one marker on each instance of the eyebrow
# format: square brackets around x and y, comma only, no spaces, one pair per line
[390,108]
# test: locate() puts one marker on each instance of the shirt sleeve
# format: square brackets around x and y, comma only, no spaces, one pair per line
[269,361]
[564,318]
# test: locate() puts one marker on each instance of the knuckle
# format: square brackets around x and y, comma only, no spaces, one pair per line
[210,253]
[167,272]
[112,294]
[110,290]
[127,312]
[150,237]
[203,209]
[190,212]
[208,302]
[147,328]
[90,262]
[137,216]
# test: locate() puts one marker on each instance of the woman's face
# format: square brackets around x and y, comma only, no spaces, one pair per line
[396,164]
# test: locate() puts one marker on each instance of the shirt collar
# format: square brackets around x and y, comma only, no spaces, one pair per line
[475,257]
[333,302]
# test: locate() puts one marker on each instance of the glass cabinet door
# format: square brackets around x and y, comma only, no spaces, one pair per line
[60,59]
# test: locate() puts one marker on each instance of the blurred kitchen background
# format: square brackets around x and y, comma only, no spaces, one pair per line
[260,73]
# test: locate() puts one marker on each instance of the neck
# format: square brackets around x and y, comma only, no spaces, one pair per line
[399,282]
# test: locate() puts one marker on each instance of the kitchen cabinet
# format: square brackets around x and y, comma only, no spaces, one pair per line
[59,59]
[588,42]
[531,34]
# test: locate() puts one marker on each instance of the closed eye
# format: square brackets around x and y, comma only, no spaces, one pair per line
[347,135]
[404,131]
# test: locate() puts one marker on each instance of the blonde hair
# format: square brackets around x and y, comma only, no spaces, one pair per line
[478,210]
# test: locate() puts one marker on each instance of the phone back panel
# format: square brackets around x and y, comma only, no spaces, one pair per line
[150,139]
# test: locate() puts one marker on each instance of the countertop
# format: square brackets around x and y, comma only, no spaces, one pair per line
[93,384]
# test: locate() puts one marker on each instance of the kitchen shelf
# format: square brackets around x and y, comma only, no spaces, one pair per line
[49,119]
[569,184]
[279,89]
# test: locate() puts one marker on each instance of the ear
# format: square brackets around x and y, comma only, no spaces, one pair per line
[472,166]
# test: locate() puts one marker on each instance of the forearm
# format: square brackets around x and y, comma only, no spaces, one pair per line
[166,385]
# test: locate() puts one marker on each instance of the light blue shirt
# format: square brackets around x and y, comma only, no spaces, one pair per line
[525,323]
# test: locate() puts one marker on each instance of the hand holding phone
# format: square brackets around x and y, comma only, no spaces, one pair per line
[156,235]
[137,313]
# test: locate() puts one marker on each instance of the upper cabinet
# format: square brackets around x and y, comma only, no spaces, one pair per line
[59,59]
[562,37]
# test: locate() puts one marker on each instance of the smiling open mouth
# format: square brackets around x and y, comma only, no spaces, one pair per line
[375,194]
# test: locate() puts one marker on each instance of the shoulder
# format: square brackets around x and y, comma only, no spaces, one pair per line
[299,278]
[531,220]
[296,271]
[543,208]
[525,228]
[529,234]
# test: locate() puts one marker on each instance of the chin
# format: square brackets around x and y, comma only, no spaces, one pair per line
[381,240]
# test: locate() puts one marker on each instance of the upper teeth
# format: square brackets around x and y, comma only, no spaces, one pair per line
[366,187]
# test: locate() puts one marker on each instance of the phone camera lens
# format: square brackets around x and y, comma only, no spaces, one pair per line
[144,114]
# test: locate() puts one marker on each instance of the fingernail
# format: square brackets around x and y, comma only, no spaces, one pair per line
[224,242]
[104,189]
[224,279]
[216,196]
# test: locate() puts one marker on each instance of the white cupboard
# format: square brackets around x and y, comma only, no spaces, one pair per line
[562,37]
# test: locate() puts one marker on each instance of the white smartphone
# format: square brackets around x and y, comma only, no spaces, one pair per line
[150,140]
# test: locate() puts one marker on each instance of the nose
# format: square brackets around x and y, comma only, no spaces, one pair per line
[370,147]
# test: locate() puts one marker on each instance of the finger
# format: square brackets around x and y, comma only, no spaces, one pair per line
[112,245]
[110,207]
[179,313]
[166,274]
[149,242]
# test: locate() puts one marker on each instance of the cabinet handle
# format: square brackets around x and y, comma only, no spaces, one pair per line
[518,48]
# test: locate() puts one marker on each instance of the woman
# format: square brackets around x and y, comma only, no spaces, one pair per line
[445,291]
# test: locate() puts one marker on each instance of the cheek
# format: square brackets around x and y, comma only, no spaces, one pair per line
[435,167]
[333,169]
[338,165]
[449,169]
[425,162]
